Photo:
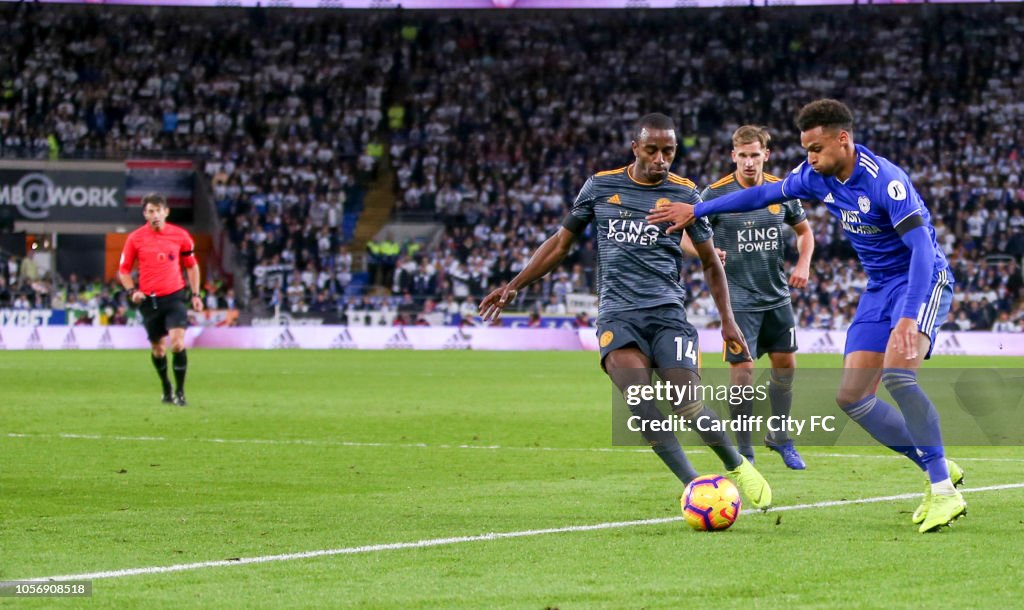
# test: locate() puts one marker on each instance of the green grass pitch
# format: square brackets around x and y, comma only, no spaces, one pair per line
[290,452]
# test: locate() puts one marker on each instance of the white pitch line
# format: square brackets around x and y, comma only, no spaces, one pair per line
[321,443]
[900,457]
[830,503]
[330,443]
[373,548]
[350,550]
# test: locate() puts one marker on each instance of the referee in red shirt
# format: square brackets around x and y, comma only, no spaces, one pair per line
[162,249]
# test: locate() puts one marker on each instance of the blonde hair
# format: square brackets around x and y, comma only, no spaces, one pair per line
[748,134]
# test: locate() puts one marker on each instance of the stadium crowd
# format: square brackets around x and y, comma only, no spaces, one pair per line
[491,123]
[507,120]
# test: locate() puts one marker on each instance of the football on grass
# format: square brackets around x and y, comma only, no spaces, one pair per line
[711,503]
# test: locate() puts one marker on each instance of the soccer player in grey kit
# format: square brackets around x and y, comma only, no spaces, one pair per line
[753,245]
[642,321]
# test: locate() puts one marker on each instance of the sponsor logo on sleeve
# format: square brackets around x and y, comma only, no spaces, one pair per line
[896,190]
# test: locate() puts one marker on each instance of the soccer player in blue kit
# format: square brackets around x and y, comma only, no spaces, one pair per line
[908,295]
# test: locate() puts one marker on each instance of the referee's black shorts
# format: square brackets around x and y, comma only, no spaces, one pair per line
[159,314]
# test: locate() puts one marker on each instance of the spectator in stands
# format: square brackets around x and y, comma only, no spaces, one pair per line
[29,269]
[296,292]
[963,321]
[950,324]
[21,302]
[1005,325]
[119,317]
[449,307]
[323,303]
[468,311]
[228,301]
[407,305]
[459,278]
[424,282]
[211,300]
[555,306]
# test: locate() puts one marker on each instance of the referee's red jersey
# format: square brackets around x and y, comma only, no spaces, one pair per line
[161,255]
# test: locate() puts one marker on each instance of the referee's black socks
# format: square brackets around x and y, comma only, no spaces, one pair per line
[160,364]
[180,364]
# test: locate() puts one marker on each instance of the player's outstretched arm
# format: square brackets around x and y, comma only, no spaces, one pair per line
[714,275]
[805,247]
[679,216]
[682,214]
[753,198]
[548,256]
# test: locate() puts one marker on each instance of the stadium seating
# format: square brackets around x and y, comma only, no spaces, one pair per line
[493,122]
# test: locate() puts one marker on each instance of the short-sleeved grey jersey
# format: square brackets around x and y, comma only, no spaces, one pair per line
[638,262]
[754,246]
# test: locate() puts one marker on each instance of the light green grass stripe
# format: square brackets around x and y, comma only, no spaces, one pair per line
[335,443]
[460,539]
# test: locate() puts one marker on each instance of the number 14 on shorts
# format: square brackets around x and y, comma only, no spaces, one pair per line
[684,349]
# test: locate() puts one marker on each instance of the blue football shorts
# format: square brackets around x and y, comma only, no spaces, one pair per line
[879,311]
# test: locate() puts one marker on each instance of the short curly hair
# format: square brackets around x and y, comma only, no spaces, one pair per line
[654,120]
[826,113]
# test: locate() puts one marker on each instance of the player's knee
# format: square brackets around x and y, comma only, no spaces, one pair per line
[177,344]
[629,376]
[742,376]
[783,360]
[625,359]
[782,379]
[849,396]
[159,350]
[626,368]
[895,380]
